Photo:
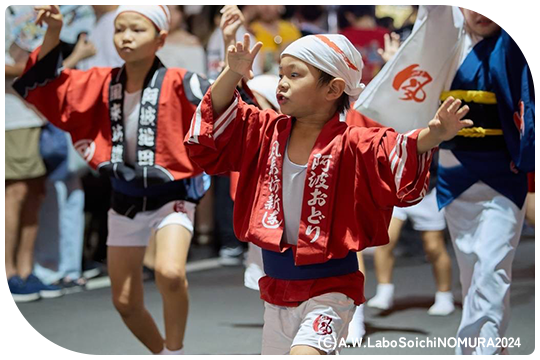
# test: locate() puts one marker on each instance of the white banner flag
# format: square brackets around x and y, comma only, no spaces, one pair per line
[405,94]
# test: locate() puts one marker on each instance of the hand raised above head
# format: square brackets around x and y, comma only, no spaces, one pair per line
[240,57]
[50,15]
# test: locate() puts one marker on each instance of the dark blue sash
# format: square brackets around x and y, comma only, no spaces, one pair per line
[281,266]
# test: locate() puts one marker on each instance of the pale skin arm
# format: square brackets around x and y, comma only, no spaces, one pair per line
[239,60]
[444,126]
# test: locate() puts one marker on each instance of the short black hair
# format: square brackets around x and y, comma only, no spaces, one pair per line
[344,102]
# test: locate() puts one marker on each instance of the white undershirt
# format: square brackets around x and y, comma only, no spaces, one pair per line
[294,177]
[132,105]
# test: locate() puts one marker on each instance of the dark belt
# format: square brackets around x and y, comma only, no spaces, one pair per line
[484,116]
[128,201]
[281,266]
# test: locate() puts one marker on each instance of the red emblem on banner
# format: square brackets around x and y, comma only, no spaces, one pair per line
[410,82]
[321,325]
[518,119]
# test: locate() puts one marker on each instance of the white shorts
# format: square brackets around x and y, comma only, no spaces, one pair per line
[124,231]
[425,216]
[318,322]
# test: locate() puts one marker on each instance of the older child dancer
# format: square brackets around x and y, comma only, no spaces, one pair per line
[126,122]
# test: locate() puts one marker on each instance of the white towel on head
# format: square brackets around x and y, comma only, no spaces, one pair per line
[333,54]
[158,14]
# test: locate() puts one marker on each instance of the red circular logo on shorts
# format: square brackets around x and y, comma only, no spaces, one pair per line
[321,325]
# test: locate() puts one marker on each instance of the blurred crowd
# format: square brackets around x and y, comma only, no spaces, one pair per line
[56,206]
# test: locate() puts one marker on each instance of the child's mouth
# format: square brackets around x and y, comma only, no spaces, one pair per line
[281,99]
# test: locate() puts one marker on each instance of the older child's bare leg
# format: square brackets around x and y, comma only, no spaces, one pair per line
[384,266]
[435,250]
[172,245]
[125,271]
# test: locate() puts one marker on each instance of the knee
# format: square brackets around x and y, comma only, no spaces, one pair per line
[171,279]
[126,307]
[432,252]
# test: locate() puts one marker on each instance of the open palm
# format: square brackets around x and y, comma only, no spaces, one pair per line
[447,121]
[240,57]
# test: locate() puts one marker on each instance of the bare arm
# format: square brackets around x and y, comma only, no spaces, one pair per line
[240,60]
[15,70]
[49,14]
[83,49]
[444,126]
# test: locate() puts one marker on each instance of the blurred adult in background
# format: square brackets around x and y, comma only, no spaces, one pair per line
[181,48]
[311,19]
[275,34]
[359,24]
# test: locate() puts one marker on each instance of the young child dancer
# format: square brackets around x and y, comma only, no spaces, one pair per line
[314,190]
[126,122]
[482,181]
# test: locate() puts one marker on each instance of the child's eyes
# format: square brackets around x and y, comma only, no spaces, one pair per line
[294,74]
[280,76]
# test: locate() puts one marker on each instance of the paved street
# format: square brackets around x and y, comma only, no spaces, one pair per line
[226,318]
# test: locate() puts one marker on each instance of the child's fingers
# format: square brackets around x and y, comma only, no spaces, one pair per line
[39,17]
[446,104]
[231,49]
[256,49]
[462,112]
[386,41]
[42,7]
[239,46]
[247,41]
[454,106]
[467,123]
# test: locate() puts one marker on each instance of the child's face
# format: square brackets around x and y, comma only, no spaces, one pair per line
[135,37]
[298,92]
[479,24]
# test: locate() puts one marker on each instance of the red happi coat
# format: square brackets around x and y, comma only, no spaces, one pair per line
[79,102]
[355,176]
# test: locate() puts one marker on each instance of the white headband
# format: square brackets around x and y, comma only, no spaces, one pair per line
[158,14]
[333,54]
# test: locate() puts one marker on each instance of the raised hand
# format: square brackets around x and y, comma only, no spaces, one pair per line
[447,121]
[84,48]
[240,57]
[50,15]
[231,20]
[391,46]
